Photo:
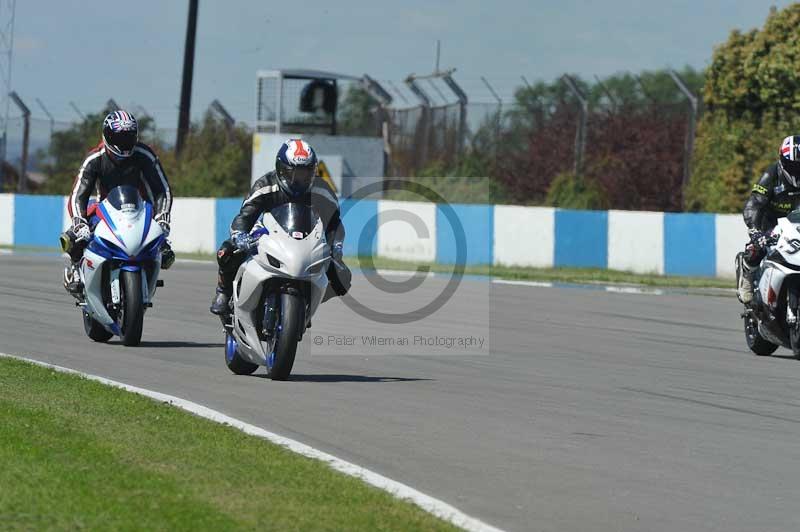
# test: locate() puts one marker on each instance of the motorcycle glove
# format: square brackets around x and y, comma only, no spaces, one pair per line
[337,251]
[243,242]
[164,227]
[758,238]
[81,230]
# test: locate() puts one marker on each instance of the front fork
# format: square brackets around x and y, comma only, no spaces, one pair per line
[270,316]
[792,305]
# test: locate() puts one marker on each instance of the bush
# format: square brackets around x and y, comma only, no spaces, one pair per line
[570,192]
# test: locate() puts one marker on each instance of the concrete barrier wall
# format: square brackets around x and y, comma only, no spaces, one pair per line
[6,219]
[406,230]
[641,242]
[524,236]
[193,226]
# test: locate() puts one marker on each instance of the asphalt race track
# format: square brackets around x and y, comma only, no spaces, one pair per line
[591,411]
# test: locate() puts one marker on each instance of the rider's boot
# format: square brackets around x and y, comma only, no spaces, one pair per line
[167,256]
[221,303]
[72,279]
[745,291]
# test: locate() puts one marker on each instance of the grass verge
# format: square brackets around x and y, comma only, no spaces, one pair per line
[76,454]
[559,275]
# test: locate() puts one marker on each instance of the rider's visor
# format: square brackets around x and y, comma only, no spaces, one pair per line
[298,178]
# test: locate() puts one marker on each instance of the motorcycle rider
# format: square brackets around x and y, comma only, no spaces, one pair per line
[774,196]
[120,159]
[292,181]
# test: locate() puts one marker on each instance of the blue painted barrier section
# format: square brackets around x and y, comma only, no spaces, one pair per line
[226,209]
[477,224]
[38,220]
[690,244]
[360,219]
[581,238]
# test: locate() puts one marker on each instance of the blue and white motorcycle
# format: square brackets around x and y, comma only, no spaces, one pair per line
[120,267]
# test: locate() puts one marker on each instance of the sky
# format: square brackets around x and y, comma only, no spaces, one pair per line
[87,51]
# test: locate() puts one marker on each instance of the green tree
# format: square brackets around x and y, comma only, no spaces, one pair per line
[752,96]
[61,161]
[358,113]
[215,161]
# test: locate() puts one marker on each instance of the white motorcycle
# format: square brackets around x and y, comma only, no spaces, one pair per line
[120,267]
[276,291]
[771,320]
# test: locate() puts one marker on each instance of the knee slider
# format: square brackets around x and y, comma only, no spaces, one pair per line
[225,253]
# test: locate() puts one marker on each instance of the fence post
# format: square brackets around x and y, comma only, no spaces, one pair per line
[22,185]
[689,144]
[462,110]
[426,116]
[49,116]
[580,135]
[78,111]
[497,120]
[223,113]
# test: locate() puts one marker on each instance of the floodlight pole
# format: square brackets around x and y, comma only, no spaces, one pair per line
[580,134]
[188,72]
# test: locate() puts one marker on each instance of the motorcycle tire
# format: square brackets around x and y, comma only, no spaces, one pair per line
[236,363]
[755,341]
[94,330]
[290,328]
[131,312]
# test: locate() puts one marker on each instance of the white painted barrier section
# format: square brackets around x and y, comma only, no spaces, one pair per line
[6,219]
[193,225]
[524,236]
[731,238]
[66,219]
[407,230]
[636,241]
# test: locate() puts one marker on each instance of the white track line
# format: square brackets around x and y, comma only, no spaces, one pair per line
[436,507]
[537,284]
[635,290]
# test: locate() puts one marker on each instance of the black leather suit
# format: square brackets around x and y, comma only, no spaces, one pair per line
[772,197]
[265,195]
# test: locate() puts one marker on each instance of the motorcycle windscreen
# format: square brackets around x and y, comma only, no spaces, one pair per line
[296,219]
[125,198]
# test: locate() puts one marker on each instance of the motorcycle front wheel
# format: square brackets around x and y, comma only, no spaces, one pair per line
[289,330]
[131,308]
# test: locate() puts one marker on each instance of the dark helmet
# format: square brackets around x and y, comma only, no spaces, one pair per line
[120,134]
[296,167]
[789,160]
